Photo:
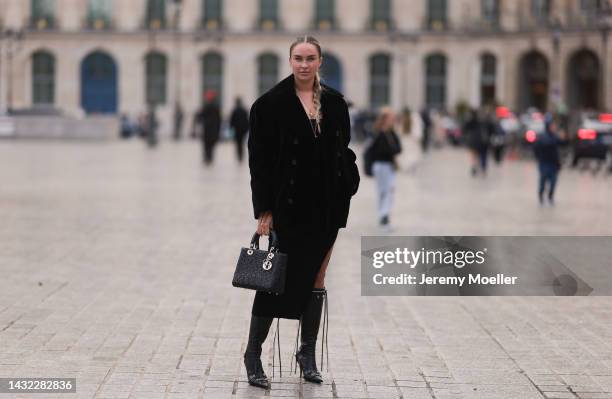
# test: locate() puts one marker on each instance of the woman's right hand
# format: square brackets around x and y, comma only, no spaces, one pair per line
[264,223]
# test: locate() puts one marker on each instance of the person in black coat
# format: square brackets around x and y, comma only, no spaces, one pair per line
[427,123]
[303,176]
[477,134]
[546,151]
[239,122]
[209,120]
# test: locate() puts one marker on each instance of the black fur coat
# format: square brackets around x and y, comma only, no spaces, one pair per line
[280,162]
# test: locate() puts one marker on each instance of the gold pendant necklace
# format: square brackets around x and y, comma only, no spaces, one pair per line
[310,115]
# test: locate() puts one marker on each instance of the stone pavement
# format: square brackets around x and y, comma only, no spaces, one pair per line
[116,265]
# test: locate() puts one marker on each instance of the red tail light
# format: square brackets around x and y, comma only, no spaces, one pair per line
[605,118]
[587,134]
[502,112]
[530,136]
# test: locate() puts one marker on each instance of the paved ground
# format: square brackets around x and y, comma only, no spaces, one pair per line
[116,266]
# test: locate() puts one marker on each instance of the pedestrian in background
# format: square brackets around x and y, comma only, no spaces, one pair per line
[208,119]
[303,176]
[426,125]
[546,150]
[478,142]
[152,124]
[178,121]
[239,122]
[385,147]
[498,139]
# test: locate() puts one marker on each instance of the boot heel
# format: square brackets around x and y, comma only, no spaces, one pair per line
[258,332]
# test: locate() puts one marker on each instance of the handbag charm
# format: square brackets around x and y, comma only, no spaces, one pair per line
[261,270]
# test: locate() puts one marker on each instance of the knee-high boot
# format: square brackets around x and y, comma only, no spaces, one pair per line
[310,323]
[258,331]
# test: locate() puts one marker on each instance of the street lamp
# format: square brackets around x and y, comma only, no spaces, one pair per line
[604,28]
[556,84]
[178,111]
[13,39]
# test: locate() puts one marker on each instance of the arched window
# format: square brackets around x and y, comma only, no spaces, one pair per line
[490,12]
[325,14]
[533,81]
[380,11]
[437,14]
[268,14]
[583,80]
[267,72]
[435,81]
[156,14]
[380,76]
[212,75]
[43,14]
[156,65]
[331,71]
[43,78]
[212,14]
[99,14]
[488,78]
[99,83]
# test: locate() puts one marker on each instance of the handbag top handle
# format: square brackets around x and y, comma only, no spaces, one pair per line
[272,242]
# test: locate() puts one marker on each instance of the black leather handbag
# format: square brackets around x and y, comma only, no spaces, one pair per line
[261,270]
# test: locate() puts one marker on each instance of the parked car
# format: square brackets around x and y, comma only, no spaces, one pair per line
[592,138]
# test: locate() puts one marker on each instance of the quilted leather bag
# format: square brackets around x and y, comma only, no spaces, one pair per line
[261,270]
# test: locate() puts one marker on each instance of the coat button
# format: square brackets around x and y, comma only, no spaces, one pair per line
[337,133]
[290,201]
[339,174]
[295,141]
[292,182]
[293,162]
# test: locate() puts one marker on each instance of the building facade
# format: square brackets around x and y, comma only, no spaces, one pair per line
[118,56]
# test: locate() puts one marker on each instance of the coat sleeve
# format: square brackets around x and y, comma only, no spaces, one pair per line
[263,152]
[350,158]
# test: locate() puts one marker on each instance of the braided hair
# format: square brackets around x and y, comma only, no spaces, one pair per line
[317,89]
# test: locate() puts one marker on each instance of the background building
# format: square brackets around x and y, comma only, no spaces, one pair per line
[117,56]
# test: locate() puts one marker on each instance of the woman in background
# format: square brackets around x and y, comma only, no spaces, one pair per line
[385,147]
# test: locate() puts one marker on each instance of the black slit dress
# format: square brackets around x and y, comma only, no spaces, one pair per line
[308,241]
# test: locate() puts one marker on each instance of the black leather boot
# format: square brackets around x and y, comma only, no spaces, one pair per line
[310,323]
[258,332]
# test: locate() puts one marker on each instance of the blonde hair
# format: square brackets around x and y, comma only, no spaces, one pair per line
[383,114]
[317,89]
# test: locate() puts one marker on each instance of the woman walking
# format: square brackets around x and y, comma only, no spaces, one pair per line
[303,176]
[385,147]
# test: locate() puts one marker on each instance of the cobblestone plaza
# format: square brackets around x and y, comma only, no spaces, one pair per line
[117,262]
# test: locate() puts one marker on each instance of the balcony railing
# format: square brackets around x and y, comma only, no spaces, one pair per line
[325,24]
[211,24]
[381,25]
[268,24]
[436,24]
[96,22]
[153,23]
[42,22]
